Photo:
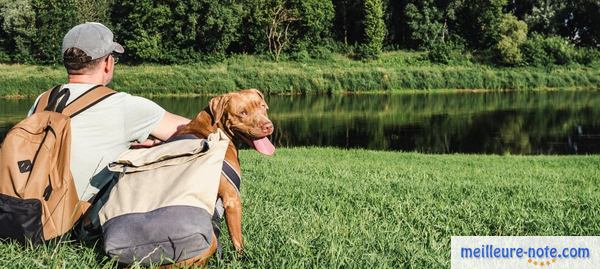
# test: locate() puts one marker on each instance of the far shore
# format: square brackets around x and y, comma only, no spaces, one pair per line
[395,72]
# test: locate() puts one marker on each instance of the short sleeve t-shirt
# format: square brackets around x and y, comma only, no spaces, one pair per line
[102,132]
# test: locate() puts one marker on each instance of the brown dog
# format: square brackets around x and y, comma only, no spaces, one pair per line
[242,116]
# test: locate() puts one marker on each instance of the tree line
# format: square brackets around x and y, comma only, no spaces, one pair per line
[505,32]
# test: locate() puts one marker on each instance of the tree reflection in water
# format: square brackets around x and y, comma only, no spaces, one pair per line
[547,122]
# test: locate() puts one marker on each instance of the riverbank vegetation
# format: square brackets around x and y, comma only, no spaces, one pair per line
[393,72]
[331,208]
[312,46]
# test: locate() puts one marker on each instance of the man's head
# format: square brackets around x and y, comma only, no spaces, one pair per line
[87,50]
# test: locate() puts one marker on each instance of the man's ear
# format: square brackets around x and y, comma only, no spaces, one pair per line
[217,107]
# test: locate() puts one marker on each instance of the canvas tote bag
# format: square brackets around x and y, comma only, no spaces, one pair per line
[160,209]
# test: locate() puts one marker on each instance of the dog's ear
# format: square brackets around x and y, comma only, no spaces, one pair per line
[217,107]
[258,93]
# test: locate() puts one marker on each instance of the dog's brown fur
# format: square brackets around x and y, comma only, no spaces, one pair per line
[242,116]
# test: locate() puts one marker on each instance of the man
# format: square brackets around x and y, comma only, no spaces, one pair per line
[100,133]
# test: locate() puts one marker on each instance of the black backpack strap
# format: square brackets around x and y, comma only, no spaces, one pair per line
[43,101]
[88,99]
[56,99]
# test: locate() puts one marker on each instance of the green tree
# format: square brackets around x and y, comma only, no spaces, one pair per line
[348,27]
[425,22]
[254,33]
[543,17]
[53,20]
[17,30]
[290,25]
[580,20]
[157,31]
[219,25]
[374,29]
[396,24]
[431,22]
[478,22]
[513,33]
[313,29]
[93,11]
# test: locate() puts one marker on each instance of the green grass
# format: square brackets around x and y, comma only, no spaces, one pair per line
[332,208]
[394,72]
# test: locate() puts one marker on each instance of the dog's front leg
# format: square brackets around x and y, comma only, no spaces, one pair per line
[233,213]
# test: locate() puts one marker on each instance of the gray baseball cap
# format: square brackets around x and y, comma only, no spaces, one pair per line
[95,39]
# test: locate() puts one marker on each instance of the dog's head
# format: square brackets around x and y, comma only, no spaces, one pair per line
[243,115]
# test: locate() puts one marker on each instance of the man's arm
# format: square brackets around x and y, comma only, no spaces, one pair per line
[166,128]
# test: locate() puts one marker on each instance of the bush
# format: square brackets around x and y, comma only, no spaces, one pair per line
[560,50]
[540,51]
[588,56]
[513,33]
[4,57]
[446,52]
[534,52]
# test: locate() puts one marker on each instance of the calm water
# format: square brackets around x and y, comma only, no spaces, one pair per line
[518,123]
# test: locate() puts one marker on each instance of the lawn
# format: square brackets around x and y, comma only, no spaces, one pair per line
[332,208]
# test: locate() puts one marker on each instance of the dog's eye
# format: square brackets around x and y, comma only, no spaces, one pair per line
[244,113]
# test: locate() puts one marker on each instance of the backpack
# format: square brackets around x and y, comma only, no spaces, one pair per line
[161,208]
[38,198]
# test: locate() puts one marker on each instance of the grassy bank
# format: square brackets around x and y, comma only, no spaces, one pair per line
[330,208]
[394,72]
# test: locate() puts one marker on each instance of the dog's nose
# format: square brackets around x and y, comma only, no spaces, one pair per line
[267,128]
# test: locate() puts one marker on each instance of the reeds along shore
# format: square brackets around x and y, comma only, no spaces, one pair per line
[394,72]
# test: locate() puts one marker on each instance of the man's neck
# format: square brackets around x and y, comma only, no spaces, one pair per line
[85,79]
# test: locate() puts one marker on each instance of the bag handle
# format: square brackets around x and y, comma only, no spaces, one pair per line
[80,104]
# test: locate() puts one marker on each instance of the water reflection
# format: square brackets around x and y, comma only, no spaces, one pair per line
[559,122]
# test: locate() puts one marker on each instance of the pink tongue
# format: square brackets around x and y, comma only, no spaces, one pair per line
[264,146]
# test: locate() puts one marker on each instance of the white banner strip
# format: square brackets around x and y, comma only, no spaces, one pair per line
[527,252]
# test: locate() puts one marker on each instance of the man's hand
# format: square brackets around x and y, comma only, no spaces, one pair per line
[166,128]
[151,142]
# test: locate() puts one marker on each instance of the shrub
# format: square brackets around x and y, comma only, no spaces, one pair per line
[534,52]
[559,49]
[4,57]
[588,56]
[446,52]
[540,51]
[513,33]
